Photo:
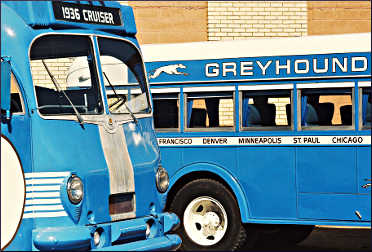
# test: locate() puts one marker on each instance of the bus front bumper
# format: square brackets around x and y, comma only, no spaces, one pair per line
[147,233]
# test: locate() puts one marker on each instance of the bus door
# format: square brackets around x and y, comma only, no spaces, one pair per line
[328,155]
[364,152]
[266,163]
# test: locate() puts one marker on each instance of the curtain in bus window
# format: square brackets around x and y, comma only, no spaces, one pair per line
[245,111]
[303,109]
[189,111]
[366,109]
[212,111]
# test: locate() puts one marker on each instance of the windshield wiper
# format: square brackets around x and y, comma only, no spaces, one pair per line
[80,119]
[120,98]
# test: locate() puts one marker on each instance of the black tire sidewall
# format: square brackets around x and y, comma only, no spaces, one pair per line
[215,190]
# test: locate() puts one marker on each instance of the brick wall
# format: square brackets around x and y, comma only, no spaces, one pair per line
[170,21]
[326,17]
[58,67]
[231,20]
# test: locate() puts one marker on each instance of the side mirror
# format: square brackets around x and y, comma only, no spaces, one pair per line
[5,85]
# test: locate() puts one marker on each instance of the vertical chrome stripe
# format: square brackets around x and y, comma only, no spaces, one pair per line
[118,160]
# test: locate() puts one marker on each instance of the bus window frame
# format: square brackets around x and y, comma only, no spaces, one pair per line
[123,116]
[70,117]
[361,86]
[328,85]
[208,129]
[178,129]
[14,80]
[267,128]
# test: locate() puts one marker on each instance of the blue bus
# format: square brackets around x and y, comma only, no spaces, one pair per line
[80,169]
[263,139]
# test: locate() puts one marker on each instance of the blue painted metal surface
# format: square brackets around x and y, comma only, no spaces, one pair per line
[312,183]
[50,150]
[211,70]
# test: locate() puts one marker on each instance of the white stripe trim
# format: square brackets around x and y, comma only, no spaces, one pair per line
[323,44]
[326,85]
[44,181]
[46,174]
[204,89]
[43,195]
[264,140]
[265,87]
[44,214]
[135,91]
[42,201]
[44,208]
[364,84]
[165,90]
[42,188]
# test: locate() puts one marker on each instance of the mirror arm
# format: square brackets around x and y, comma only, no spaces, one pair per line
[5,85]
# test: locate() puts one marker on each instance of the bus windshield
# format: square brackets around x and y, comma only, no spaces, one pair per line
[124,77]
[57,93]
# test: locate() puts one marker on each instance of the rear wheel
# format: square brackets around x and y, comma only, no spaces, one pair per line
[210,217]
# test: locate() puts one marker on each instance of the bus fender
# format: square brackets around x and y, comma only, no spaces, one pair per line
[225,176]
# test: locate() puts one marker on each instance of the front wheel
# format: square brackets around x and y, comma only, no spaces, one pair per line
[210,217]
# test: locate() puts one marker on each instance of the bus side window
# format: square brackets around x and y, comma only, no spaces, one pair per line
[16,101]
[166,111]
[366,108]
[210,110]
[266,109]
[326,107]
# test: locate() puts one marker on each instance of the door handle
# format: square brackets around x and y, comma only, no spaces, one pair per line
[366,185]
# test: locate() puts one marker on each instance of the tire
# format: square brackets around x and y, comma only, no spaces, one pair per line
[284,235]
[210,217]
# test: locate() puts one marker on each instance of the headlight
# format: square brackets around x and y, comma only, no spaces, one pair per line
[162,179]
[75,189]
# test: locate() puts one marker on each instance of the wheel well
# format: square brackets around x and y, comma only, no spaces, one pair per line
[190,177]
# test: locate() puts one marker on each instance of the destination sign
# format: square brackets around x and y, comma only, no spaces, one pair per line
[272,140]
[86,13]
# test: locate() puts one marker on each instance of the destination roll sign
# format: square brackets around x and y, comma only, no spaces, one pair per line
[86,13]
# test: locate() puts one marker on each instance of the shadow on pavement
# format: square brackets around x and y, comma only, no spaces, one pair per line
[327,239]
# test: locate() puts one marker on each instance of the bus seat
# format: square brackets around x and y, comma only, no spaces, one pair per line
[198,118]
[311,117]
[325,112]
[268,112]
[254,117]
[346,114]
[288,112]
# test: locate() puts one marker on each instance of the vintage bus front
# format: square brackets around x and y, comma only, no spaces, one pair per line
[80,166]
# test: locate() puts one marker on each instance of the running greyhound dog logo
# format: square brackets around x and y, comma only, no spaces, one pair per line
[169,69]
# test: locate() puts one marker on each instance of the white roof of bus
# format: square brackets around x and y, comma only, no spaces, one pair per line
[324,44]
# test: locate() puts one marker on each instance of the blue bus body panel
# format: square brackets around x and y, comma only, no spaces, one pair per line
[334,206]
[144,151]
[318,169]
[64,147]
[210,70]
[265,186]
[363,159]
[314,184]
[53,136]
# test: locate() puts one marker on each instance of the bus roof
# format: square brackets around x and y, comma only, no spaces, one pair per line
[324,44]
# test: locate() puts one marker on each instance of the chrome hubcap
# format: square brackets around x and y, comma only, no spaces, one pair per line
[205,221]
